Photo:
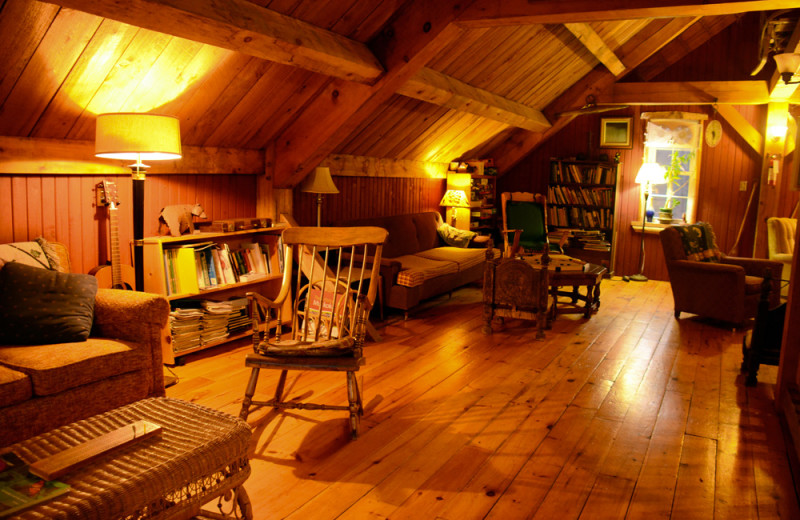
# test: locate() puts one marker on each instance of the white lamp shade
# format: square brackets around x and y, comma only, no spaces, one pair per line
[130,136]
[319,181]
[651,173]
[455,199]
[787,62]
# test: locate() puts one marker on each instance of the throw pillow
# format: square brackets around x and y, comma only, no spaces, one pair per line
[40,306]
[699,242]
[27,253]
[455,237]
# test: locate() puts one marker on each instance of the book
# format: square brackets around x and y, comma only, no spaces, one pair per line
[20,489]
[186,270]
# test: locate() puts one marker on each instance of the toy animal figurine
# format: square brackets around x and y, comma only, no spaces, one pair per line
[179,219]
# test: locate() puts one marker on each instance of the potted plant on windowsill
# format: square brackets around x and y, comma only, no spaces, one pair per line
[673,176]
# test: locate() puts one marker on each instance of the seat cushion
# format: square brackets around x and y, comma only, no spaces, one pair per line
[58,367]
[464,258]
[416,269]
[15,387]
[752,284]
[40,306]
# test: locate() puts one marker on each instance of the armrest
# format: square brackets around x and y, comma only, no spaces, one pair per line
[784,258]
[714,278]
[757,267]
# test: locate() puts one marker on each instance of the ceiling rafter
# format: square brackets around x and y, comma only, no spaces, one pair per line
[752,92]
[595,44]
[434,87]
[245,27]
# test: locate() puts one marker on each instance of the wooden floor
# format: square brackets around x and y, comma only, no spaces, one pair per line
[631,414]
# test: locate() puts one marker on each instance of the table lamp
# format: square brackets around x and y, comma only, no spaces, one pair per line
[454,199]
[319,182]
[649,174]
[137,137]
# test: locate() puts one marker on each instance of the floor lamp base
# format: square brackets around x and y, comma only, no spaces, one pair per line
[638,278]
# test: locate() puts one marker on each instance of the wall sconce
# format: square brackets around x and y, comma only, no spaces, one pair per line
[787,64]
[454,199]
[134,137]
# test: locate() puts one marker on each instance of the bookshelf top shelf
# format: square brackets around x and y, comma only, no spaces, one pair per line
[275,228]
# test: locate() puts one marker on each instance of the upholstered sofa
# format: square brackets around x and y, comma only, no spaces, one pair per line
[417,264]
[780,238]
[47,385]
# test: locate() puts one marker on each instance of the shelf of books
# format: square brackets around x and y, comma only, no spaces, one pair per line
[205,276]
[581,202]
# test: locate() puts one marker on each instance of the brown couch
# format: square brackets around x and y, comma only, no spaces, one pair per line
[417,264]
[44,386]
[728,290]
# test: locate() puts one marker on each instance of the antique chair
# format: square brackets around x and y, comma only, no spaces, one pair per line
[331,303]
[780,237]
[706,282]
[525,216]
[516,288]
[762,345]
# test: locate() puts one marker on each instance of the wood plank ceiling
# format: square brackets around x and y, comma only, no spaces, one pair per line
[389,79]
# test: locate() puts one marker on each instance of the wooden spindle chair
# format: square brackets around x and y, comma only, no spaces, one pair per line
[333,294]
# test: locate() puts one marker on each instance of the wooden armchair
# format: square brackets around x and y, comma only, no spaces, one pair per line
[328,314]
[525,217]
[726,289]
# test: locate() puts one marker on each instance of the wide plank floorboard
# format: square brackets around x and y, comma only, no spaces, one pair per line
[630,414]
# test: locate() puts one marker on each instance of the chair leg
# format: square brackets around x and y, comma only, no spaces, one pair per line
[280,387]
[248,394]
[354,400]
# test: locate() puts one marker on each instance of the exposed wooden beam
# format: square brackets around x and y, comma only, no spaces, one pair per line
[248,28]
[434,87]
[647,42]
[491,13]
[750,134]
[769,190]
[689,93]
[55,156]
[595,44]
[419,31]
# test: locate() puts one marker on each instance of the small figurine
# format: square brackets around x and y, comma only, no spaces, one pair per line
[179,219]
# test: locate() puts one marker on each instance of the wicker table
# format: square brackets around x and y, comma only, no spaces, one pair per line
[201,455]
[590,277]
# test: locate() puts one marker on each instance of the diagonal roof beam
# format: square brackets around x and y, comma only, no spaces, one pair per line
[491,13]
[753,92]
[436,88]
[419,30]
[595,44]
[648,41]
[245,27]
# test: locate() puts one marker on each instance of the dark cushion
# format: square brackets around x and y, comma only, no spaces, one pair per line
[39,306]
[699,242]
[529,217]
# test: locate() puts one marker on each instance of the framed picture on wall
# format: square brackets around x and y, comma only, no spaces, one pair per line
[615,132]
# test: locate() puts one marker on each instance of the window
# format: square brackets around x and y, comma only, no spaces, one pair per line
[674,142]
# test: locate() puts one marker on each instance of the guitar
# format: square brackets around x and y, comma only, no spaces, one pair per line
[116,275]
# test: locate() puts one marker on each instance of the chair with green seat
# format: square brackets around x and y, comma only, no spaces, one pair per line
[525,216]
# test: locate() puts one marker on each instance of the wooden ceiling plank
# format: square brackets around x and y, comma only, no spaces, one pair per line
[657,34]
[46,71]
[433,87]
[592,41]
[688,93]
[247,28]
[419,31]
[491,13]
[750,135]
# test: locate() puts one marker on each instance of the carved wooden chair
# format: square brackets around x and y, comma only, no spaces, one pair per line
[516,288]
[333,295]
[525,218]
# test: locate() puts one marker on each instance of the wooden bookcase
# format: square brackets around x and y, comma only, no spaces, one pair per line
[156,276]
[582,201]
[483,204]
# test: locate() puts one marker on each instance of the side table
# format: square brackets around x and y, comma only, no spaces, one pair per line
[590,277]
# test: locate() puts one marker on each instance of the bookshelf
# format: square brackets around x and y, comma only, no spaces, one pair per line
[582,198]
[180,268]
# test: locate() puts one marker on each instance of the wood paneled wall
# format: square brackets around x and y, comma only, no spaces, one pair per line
[720,201]
[63,208]
[367,197]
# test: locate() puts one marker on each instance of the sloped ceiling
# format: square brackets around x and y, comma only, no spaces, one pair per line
[414,80]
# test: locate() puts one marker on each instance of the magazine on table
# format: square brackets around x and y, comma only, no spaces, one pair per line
[19,489]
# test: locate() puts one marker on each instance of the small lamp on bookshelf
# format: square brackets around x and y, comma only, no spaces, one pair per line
[649,174]
[454,199]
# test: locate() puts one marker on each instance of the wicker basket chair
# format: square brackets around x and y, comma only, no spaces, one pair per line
[333,295]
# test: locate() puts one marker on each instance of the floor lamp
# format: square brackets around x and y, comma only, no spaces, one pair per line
[137,137]
[649,174]
[319,182]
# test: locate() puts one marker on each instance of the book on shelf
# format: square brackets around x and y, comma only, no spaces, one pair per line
[19,489]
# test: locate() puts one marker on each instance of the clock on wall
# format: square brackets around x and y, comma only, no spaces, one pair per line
[713,133]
